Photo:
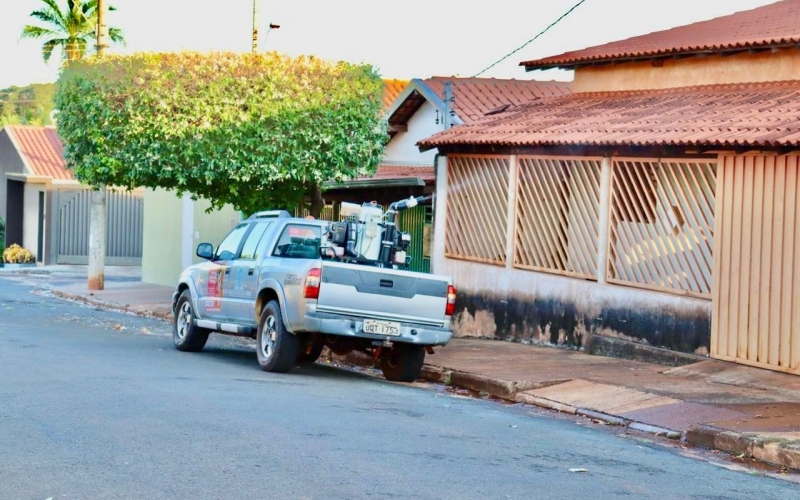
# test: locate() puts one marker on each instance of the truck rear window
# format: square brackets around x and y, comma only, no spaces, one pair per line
[299,242]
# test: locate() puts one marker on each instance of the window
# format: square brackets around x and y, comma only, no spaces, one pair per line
[299,242]
[251,244]
[227,249]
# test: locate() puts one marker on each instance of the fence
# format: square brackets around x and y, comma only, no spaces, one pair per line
[477,206]
[558,215]
[662,218]
[652,229]
[124,232]
[756,305]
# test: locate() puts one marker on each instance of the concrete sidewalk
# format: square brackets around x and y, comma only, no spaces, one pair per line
[709,403]
[136,297]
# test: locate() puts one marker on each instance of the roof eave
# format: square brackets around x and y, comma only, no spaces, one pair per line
[425,91]
[573,65]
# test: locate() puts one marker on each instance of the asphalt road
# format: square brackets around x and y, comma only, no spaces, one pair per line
[99,405]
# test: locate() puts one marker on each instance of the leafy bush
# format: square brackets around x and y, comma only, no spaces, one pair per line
[254,130]
[29,105]
[15,254]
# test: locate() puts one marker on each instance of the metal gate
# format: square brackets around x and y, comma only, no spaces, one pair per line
[756,313]
[417,222]
[124,227]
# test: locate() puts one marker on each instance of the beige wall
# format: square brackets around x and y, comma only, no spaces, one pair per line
[212,227]
[30,218]
[740,68]
[161,246]
[164,230]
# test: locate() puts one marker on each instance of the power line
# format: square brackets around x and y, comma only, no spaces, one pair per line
[531,40]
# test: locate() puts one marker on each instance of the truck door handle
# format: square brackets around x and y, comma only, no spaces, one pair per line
[250,272]
[227,270]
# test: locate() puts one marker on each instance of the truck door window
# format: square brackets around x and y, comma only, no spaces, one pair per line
[230,245]
[251,243]
[299,242]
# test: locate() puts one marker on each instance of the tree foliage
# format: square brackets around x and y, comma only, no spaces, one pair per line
[71,28]
[30,105]
[256,130]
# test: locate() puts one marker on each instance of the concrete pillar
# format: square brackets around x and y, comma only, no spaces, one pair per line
[511,215]
[97,239]
[439,215]
[187,231]
[605,220]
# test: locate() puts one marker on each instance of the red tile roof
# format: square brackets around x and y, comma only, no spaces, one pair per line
[760,114]
[772,25]
[391,90]
[474,97]
[42,151]
[394,172]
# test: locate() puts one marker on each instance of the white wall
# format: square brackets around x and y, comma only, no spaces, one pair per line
[403,146]
[30,218]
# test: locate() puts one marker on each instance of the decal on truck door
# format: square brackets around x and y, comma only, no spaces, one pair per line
[216,278]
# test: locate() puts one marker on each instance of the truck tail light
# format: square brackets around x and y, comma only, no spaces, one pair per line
[450,309]
[312,283]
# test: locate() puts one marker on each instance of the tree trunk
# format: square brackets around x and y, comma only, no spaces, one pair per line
[317,202]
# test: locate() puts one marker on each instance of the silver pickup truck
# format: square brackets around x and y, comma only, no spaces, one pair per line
[268,280]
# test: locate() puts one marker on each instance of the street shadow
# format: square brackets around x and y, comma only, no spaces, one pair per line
[246,358]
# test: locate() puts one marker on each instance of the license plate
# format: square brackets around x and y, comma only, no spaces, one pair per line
[381,327]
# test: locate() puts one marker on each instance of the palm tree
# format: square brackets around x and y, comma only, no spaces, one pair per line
[72,29]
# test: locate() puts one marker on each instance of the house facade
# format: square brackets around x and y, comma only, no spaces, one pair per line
[656,205]
[47,211]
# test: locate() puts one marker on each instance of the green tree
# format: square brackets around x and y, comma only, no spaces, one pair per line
[254,130]
[71,29]
[30,105]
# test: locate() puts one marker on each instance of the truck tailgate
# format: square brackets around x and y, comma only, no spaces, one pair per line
[373,292]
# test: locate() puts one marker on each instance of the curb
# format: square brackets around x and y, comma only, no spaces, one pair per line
[781,453]
[513,392]
[111,306]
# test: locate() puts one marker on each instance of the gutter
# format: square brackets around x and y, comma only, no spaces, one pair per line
[375,183]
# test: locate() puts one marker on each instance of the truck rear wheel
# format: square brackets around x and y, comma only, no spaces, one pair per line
[276,347]
[403,363]
[187,336]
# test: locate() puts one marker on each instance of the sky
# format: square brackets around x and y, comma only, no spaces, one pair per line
[403,39]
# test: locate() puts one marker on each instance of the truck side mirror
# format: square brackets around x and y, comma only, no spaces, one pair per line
[205,251]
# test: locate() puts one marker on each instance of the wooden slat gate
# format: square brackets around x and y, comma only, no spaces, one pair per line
[756,311]
[125,227]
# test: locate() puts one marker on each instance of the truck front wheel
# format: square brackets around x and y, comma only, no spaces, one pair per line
[403,363]
[187,336]
[276,347]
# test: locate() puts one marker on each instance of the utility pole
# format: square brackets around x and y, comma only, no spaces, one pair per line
[97,216]
[255,26]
